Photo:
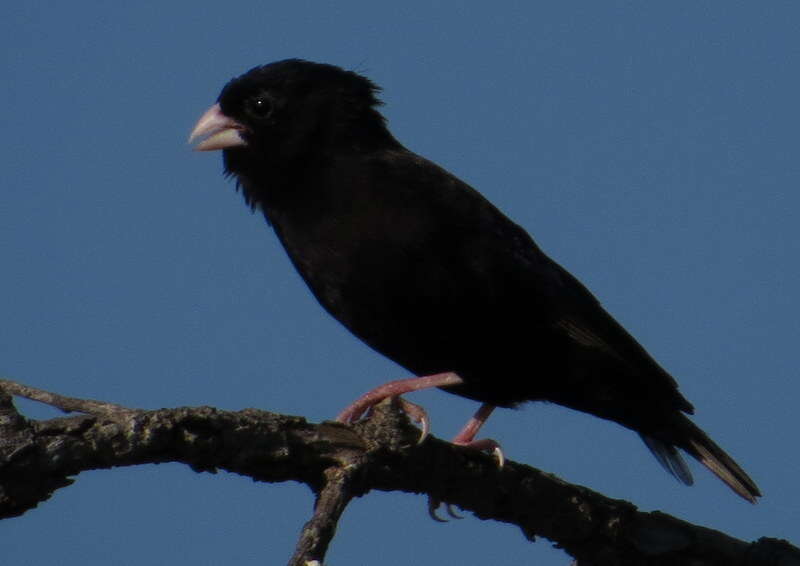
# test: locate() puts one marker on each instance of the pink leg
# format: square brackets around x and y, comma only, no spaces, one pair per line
[356,410]
[467,435]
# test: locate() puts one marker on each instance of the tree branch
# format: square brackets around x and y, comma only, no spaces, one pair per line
[340,462]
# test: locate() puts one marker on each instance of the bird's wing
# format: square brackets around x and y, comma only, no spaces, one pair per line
[589,325]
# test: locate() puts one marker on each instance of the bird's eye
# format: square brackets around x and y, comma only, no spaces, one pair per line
[260,106]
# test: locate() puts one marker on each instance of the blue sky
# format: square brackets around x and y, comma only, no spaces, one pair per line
[652,149]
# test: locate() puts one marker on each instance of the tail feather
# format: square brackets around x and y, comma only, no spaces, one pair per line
[723,466]
[684,434]
[670,459]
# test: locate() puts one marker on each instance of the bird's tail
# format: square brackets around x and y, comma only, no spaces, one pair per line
[684,434]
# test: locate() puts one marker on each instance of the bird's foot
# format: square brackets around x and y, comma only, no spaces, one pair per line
[466,437]
[414,412]
[361,406]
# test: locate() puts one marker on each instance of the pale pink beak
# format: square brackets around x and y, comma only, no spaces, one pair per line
[219,131]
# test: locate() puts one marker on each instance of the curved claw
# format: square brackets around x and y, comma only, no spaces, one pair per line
[487,445]
[451,511]
[501,458]
[417,414]
[433,506]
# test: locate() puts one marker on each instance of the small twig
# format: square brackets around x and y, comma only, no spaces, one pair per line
[318,532]
[66,404]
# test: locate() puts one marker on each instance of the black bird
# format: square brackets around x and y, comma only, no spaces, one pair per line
[426,271]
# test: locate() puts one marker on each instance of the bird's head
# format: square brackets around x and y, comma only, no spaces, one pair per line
[290,110]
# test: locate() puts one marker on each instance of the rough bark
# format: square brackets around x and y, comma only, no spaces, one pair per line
[339,462]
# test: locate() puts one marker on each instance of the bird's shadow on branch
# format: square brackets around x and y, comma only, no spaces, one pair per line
[339,462]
